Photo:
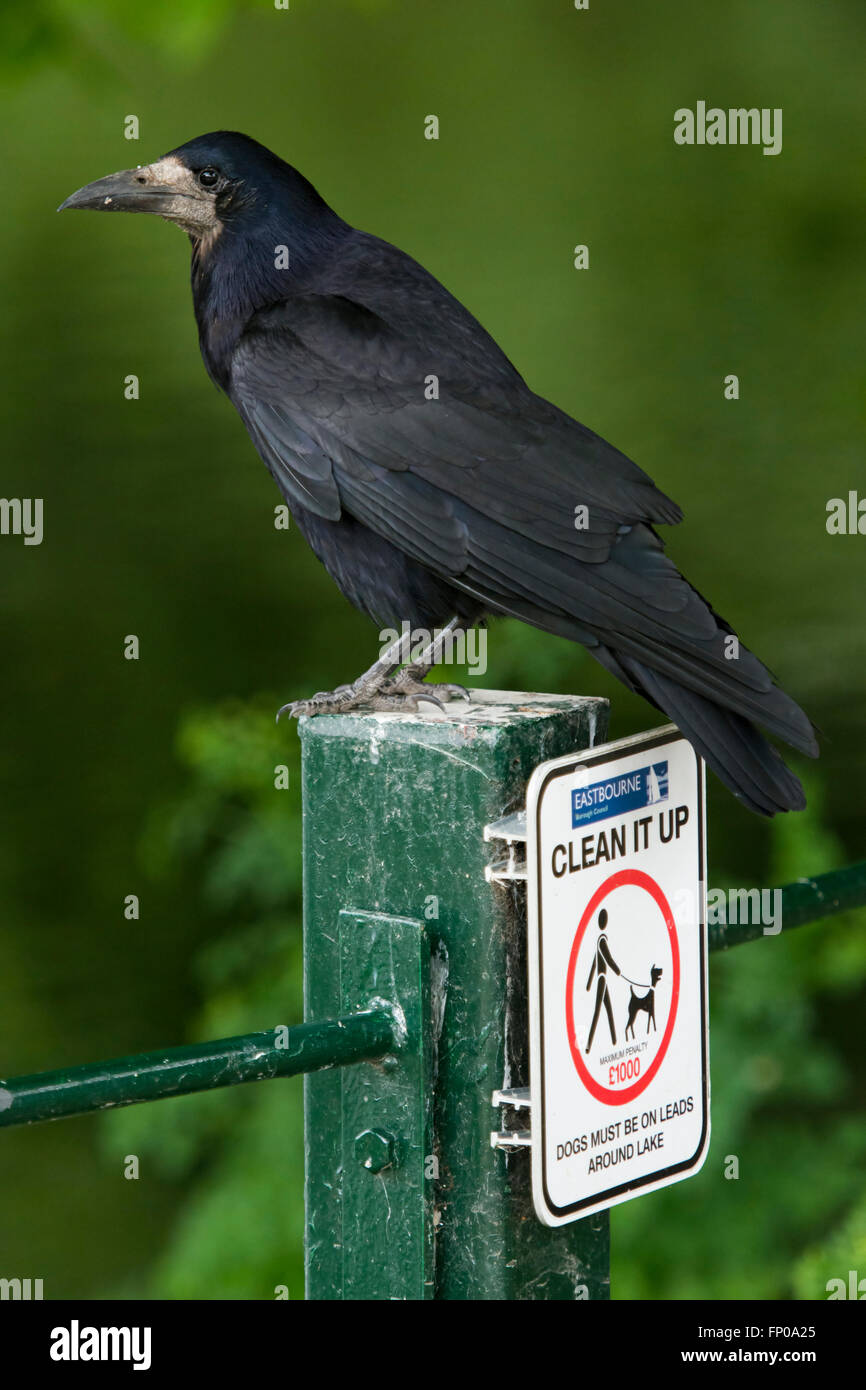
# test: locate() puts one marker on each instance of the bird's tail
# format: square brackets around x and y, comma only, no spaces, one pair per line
[729,744]
[719,720]
[679,659]
[650,628]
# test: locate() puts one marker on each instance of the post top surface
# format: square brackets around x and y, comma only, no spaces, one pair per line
[488,710]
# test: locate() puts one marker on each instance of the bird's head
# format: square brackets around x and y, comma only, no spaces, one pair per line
[213,182]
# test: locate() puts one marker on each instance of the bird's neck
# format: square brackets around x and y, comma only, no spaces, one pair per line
[235,275]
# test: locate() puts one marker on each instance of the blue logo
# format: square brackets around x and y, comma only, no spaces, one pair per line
[629,792]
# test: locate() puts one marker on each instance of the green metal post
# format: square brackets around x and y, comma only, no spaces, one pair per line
[394,813]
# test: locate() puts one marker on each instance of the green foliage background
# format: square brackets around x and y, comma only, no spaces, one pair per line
[156,777]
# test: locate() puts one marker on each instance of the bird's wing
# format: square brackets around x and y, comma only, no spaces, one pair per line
[480,484]
[346,409]
[484,484]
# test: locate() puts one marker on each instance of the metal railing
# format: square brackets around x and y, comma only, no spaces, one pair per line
[178,1071]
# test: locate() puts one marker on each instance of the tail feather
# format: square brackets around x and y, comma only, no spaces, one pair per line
[735,750]
[708,675]
[716,703]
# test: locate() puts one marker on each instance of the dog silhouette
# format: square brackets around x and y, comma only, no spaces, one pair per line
[645,1003]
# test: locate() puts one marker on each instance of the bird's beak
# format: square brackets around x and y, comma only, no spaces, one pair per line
[166,187]
[128,191]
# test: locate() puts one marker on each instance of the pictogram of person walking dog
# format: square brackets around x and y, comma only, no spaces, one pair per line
[603,961]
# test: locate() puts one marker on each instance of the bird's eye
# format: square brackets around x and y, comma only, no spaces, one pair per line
[208,177]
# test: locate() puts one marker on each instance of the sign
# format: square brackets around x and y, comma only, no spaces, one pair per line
[616,850]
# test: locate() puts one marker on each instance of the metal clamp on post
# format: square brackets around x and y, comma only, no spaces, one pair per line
[511,1140]
[510,867]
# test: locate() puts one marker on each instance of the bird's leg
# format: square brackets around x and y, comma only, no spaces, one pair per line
[359,692]
[410,681]
[374,690]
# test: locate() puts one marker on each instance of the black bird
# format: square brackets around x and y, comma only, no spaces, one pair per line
[431,482]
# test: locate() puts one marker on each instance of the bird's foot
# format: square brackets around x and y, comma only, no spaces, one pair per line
[384,687]
[406,683]
[391,696]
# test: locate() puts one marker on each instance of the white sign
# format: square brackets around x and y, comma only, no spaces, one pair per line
[616,848]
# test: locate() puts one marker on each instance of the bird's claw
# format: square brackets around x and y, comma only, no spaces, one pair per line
[407,684]
[403,700]
[393,695]
[326,702]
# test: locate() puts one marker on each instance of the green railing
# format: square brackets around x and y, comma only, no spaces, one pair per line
[807,900]
[178,1071]
[417,1014]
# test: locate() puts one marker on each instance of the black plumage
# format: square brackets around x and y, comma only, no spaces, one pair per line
[327,339]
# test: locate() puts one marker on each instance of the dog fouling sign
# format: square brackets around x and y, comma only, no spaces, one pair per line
[616,850]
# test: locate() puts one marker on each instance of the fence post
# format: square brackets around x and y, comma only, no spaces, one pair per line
[405,1196]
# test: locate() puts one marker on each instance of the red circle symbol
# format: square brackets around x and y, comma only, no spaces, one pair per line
[624,878]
